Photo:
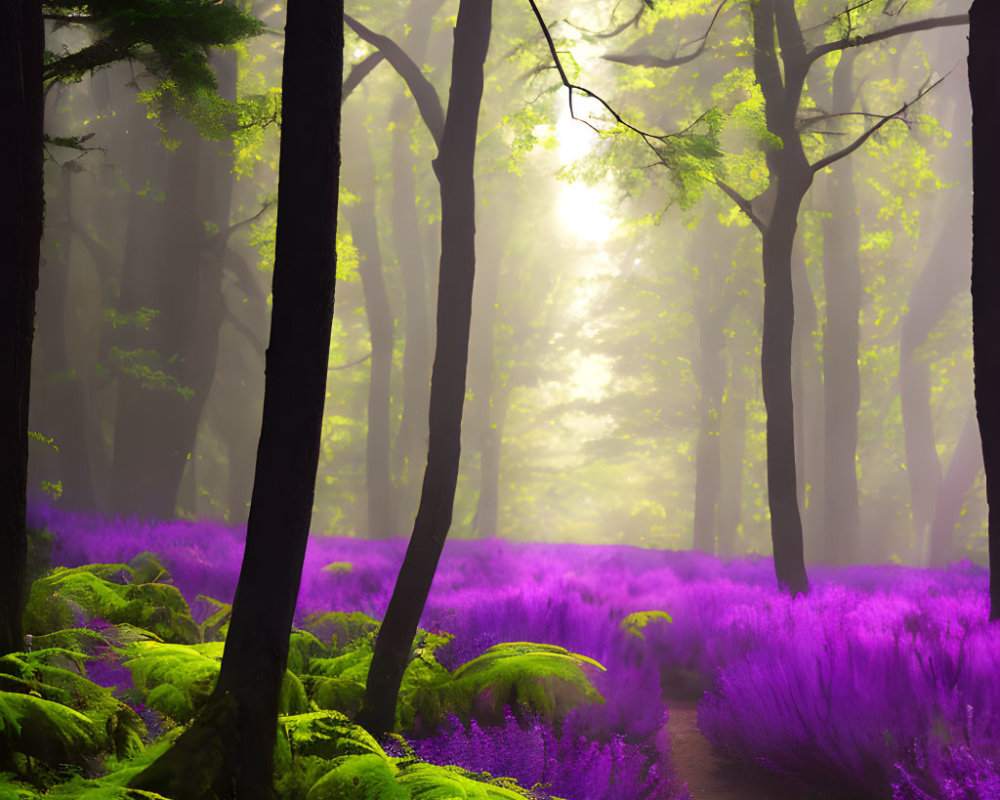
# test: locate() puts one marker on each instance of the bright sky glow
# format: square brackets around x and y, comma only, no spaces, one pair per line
[582,209]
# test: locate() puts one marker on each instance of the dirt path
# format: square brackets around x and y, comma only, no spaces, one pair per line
[709,777]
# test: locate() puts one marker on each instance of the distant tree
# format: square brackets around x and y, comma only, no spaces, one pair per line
[984,88]
[782,60]
[228,750]
[177,50]
[21,208]
[454,169]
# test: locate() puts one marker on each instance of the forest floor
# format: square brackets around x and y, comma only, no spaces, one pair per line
[709,776]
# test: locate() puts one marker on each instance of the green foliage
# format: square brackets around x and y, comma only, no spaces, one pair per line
[634,623]
[323,756]
[59,599]
[171,38]
[544,678]
[341,628]
[178,679]
[150,369]
[45,729]
[140,318]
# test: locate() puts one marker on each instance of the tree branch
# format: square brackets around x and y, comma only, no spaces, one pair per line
[359,72]
[616,30]
[897,30]
[648,60]
[823,163]
[744,205]
[424,94]
[350,364]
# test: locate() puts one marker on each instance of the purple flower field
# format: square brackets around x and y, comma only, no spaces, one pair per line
[880,684]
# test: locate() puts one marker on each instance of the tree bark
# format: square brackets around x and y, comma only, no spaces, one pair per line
[841,378]
[454,169]
[228,750]
[21,210]
[984,88]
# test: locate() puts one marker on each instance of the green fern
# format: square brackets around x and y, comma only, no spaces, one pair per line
[544,678]
[634,623]
[64,596]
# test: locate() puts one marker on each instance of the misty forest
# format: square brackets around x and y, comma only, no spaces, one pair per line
[500,400]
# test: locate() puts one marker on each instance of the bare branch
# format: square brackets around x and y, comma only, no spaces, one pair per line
[424,94]
[247,332]
[648,137]
[359,72]
[823,163]
[897,30]
[350,364]
[619,29]
[744,205]
[648,60]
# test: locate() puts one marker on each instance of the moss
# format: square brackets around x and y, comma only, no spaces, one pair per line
[634,623]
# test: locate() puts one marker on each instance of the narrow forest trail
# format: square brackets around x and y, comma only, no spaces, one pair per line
[708,776]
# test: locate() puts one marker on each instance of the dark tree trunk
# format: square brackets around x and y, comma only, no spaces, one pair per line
[965,463]
[454,169]
[984,86]
[776,381]
[359,177]
[21,209]
[841,378]
[229,749]
[791,176]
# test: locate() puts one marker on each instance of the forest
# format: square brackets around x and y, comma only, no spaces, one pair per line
[500,401]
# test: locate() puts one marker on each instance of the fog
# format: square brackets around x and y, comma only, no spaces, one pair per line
[614,389]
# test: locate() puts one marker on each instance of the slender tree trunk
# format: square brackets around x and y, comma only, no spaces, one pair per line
[733,448]
[454,169]
[776,380]
[841,378]
[179,274]
[984,86]
[60,410]
[21,209]
[411,438]
[807,386]
[229,749]
[936,285]
[965,463]
[359,177]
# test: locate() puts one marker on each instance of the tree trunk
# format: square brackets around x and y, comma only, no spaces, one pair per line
[984,87]
[733,448]
[21,209]
[807,387]
[841,378]
[179,274]
[411,438]
[965,463]
[229,749]
[454,169]
[359,177]
[60,410]
[776,381]
[937,284]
